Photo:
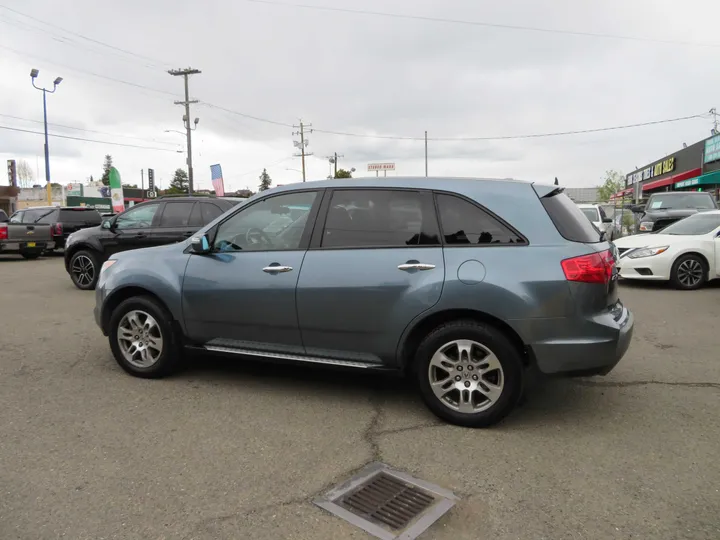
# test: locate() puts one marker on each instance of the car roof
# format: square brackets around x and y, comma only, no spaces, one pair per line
[583,205]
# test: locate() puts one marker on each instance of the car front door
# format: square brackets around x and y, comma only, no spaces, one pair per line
[375,265]
[173,224]
[241,295]
[131,229]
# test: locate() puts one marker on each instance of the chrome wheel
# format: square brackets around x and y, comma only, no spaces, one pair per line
[140,339]
[690,272]
[466,376]
[83,270]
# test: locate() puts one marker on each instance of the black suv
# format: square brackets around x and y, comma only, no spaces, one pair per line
[63,220]
[162,221]
[663,209]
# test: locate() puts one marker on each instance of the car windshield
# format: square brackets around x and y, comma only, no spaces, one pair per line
[694,225]
[673,201]
[590,213]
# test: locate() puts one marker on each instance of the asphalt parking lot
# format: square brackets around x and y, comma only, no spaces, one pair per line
[235,450]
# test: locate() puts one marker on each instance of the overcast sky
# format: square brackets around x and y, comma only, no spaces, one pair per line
[358,73]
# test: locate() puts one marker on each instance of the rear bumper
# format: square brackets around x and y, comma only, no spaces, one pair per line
[596,351]
[22,247]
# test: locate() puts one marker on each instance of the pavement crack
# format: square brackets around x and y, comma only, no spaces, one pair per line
[623,384]
[371,432]
[410,428]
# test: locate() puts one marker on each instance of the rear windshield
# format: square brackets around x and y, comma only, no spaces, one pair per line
[569,220]
[675,201]
[89,216]
[40,215]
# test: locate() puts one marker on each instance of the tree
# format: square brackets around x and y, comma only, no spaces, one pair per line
[130,186]
[107,165]
[25,174]
[265,181]
[342,173]
[179,183]
[91,179]
[614,182]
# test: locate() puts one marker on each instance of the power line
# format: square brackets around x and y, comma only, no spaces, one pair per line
[85,130]
[257,118]
[508,137]
[90,140]
[485,24]
[140,56]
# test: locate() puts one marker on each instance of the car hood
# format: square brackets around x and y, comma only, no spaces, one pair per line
[644,240]
[672,213]
[143,254]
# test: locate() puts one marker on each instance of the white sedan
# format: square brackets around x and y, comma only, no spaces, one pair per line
[687,253]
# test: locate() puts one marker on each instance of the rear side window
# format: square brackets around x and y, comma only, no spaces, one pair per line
[380,218]
[464,223]
[176,214]
[569,220]
[89,217]
[40,215]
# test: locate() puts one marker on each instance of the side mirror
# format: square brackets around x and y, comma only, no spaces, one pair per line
[200,244]
[107,224]
[637,208]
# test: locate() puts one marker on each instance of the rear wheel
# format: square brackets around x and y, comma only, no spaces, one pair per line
[85,269]
[688,272]
[142,340]
[469,373]
[30,255]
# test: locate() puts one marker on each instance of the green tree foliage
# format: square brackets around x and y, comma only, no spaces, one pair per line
[107,165]
[614,182]
[342,173]
[179,183]
[265,181]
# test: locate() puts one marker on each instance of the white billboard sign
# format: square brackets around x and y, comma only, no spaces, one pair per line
[381,166]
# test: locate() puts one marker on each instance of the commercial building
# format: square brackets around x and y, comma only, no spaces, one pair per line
[583,195]
[693,168]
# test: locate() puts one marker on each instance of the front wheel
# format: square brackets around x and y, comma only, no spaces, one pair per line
[142,340]
[688,272]
[85,270]
[469,373]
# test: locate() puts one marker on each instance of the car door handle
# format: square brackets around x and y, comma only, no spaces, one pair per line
[277,269]
[188,234]
[416,266]
[140,235]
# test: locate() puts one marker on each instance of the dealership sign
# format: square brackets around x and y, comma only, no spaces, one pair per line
[712,149]
[381,166]
[660,168]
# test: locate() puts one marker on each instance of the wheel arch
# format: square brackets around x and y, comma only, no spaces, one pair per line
[691,252]
[82,246]
[120,295]
[425,325]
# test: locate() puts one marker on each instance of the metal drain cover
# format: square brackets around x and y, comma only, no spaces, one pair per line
[387,503]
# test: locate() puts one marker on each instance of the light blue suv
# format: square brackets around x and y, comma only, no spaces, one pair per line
[462,284]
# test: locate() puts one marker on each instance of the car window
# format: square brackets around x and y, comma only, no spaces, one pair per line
[176,214]
[275,223]
[40,215]
[464,223]
[675,201]
[15,218]
[590,213]
[698,224]
[603,215]
[380,218]
[137,218]
[210,212]
[568,219]
[85,216]
[195,219]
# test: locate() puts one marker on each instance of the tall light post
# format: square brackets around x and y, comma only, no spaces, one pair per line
[33,75]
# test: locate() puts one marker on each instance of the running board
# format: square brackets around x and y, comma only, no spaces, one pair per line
[293,357]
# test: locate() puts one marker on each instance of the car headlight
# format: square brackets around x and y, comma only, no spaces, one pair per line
[648,252]
[646,226]
[106,265]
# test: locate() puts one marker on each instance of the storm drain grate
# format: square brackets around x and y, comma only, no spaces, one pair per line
[388,504]
[388,500]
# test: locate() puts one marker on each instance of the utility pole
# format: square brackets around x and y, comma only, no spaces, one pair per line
[186,118]
[425,154]
[334,162]
[302,144]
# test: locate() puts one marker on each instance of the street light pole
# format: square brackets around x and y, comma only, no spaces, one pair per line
[33,75]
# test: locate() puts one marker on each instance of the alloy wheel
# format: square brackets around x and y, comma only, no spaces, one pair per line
[83,270]
[466,376]
[140,339]
[690,272]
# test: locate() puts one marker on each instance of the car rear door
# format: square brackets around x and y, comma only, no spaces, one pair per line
[174,223]
[374,264]
[240,297]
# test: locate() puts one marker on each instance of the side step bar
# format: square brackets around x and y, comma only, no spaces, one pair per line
[293,357]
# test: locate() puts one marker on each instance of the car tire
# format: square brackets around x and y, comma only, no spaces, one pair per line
[84,269]
[475,356]
[151,353]
[30,256]
[689,272]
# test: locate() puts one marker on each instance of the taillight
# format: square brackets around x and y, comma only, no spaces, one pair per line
[58,229]
[592,268]
[3,231]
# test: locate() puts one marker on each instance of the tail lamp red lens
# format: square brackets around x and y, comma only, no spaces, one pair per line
[3,231]
[58,229]
[592,268]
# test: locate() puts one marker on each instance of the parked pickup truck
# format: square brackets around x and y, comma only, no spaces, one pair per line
[28,240]
[663,209]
